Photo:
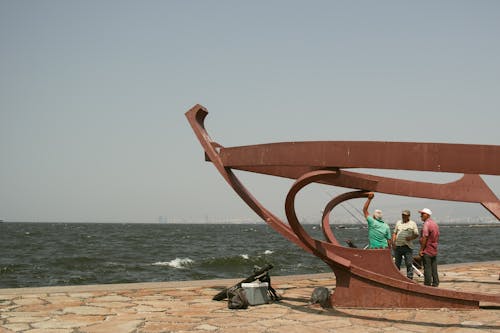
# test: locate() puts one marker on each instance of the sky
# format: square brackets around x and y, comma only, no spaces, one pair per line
[93,96]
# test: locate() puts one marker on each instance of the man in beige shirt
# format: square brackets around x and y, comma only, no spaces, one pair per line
[404,233]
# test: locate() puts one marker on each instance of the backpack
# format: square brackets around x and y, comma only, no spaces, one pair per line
[321,295]
[236,298]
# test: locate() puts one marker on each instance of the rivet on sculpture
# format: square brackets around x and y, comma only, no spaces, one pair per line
[364,277]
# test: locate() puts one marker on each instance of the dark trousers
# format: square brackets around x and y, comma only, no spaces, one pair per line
[430,270]
[406,252]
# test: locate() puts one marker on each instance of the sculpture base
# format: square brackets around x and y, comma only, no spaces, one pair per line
[352,291]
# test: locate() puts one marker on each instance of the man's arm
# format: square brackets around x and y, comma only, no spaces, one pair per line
[423,242]
[367,204]
[389,238]
[394,234]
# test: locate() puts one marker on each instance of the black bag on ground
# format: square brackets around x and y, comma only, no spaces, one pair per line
[236,298]
[321,295]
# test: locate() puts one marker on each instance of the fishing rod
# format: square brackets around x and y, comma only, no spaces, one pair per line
[347,210]
[257,274]
[348,241]
[355,208]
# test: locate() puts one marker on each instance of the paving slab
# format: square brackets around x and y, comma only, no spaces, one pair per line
[187,306]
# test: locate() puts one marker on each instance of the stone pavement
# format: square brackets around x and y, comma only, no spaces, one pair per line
[187,306]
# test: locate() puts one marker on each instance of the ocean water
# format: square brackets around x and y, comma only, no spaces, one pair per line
[54,254]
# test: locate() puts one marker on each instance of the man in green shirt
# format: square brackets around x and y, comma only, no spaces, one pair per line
[379,233]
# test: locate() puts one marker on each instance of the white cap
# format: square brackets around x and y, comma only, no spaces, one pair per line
[377,214]
[426,211]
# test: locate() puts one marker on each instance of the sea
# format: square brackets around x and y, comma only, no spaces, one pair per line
[59,254]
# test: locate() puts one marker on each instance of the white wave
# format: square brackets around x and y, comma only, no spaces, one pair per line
[268,252]
[244,256]
[176,263]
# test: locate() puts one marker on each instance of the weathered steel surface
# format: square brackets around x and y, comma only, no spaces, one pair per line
[364,278]
[436,157]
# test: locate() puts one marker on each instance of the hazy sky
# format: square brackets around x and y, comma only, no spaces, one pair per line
[93,96]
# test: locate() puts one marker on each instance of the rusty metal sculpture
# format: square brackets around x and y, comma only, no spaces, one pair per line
[364,277]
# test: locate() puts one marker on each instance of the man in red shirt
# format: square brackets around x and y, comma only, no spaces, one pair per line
[429,248]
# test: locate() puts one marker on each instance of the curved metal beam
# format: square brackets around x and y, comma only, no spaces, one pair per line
[417,156]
